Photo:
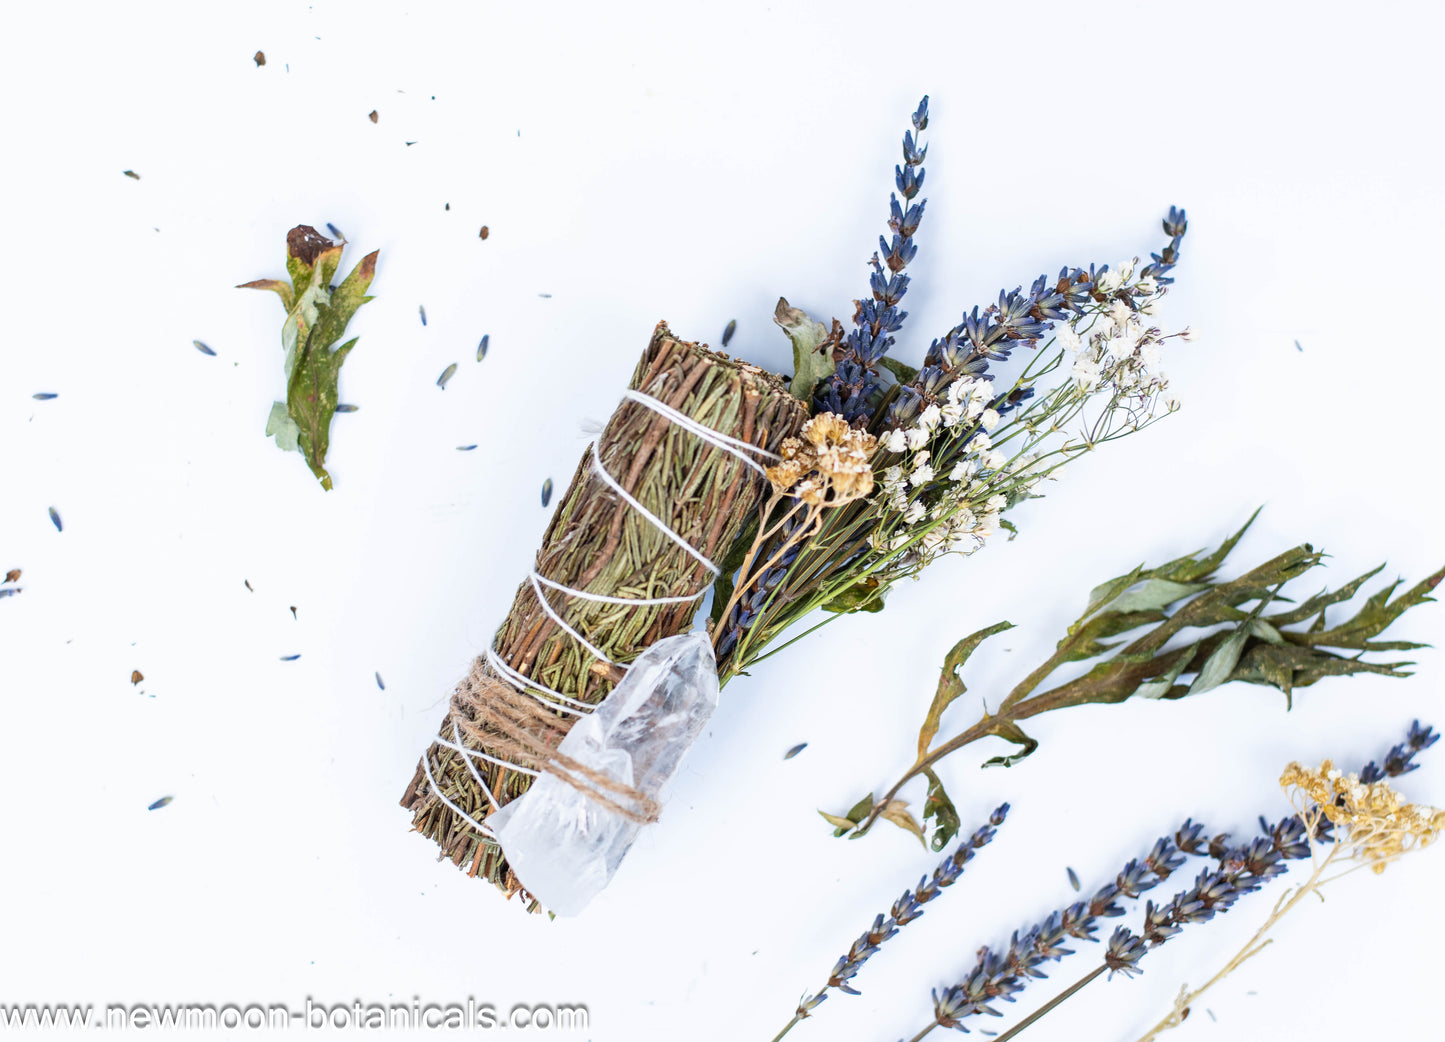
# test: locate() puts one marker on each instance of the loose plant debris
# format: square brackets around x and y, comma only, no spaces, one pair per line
[465,448]
[131,174]
[293,611]
[372,116]
[1181,595]
[248,585]
[289,658]
[203,349]
[164,801]
[136,676]
[484,232]
[55,520]
[482,346]
[729,330]
[379,683]
[546,492]
[421,310]
[447,374]
[44,396]
[795,750]
[260,58]
[335,232]
[347,408]
[316,318]
[1074,880]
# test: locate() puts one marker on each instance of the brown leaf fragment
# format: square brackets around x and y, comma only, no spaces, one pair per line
[260,58]
[136,676]
[485,231]
[373,116]
[13,575]
[131,174]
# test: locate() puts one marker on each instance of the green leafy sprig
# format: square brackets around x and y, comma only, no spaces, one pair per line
[1254,647]
[317,314]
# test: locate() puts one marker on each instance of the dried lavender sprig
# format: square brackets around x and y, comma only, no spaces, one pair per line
[855,382]
[1400,759]
[1026,318]
[906,909]
[1241,870]
[1000,976]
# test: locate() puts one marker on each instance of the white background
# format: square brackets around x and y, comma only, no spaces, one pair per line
[688,162]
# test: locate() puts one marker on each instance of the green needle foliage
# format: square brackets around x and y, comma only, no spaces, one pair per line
[317,314]
[1253,646]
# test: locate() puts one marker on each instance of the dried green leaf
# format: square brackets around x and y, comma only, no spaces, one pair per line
[1153,594]
[1221,663]
[905,374]
[812,360]
[282,427]
[1013,733]
[281,289]
[897,812]
[950,684]
[841,823]
[939,809]
[867,595]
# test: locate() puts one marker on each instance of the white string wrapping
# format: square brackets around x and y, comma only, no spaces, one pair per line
[563,704]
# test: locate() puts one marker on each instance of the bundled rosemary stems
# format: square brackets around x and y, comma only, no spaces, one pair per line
[603,545]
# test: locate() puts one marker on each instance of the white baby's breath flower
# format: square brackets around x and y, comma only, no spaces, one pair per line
[987,525]
[993,459]
[1121,347]
[952,413]
[979,442]
[921,476]
[1068,339]
[964,470]
[930,418]
[1109,281]
[1147,286]
[895,440]
[892,477]
[989,419]
[916,510]
[996,504]
[1086,373]
[1149,356]
[917,437]
[1120,313]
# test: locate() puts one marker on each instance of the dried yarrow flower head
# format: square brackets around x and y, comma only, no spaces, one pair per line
[1374,823]
[827,466]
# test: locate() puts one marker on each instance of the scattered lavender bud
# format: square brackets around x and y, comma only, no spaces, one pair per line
[131,174]
[289,658]
[447,374]
[164,801]
[795,750]
[55,520]
[482,347]
[1074,880]
[732,327]
[347,408]
[203,349]
[335,231]
[546,492]
[1297,346]
[465,448]
[44,396]
[421,309]
[379,683]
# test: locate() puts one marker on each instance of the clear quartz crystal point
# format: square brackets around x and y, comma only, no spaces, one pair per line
[565,846]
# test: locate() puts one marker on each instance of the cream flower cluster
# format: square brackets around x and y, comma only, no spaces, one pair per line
[828,466]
